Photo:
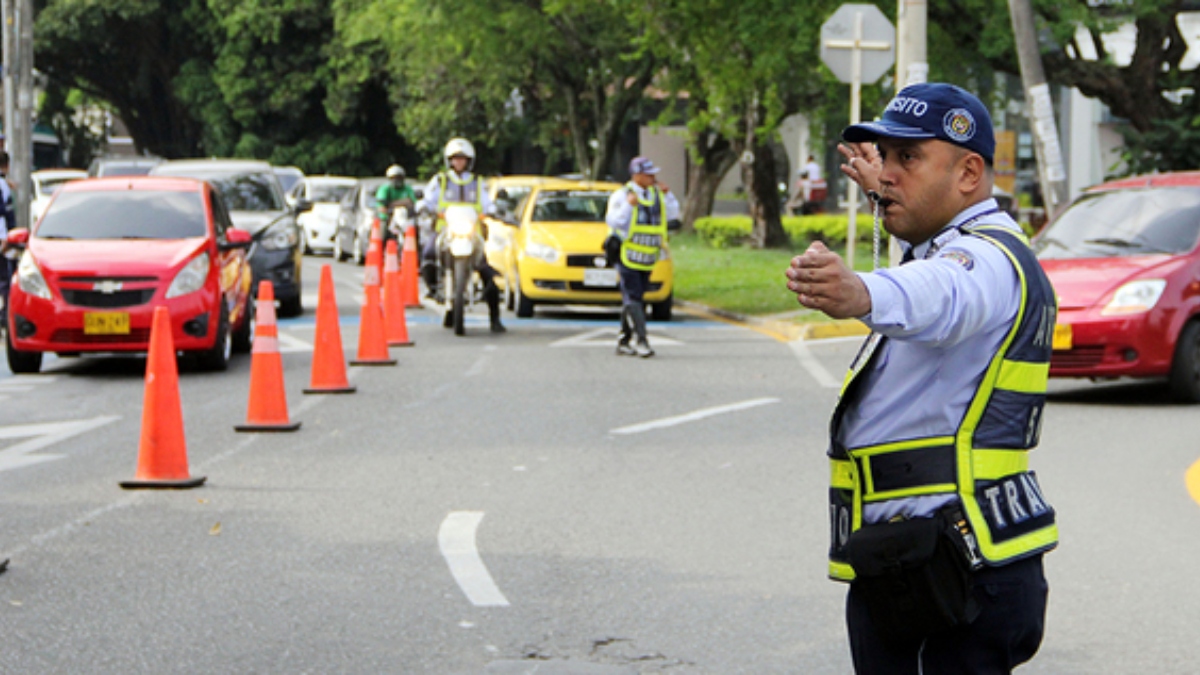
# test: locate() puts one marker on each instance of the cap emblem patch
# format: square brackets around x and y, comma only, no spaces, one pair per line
[959,125]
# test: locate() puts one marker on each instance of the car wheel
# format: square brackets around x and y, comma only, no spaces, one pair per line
[338,254]
[216,358]
[243,337]
[291,306]
[661,311]
[20,362]
[1185,367]
[357,254]
[523,303]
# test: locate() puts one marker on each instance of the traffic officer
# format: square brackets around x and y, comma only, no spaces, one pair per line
[458,186]
[638,214]
[7,255]
[937,522]
[392,194]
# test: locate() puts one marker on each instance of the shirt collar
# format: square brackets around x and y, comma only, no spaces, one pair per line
[973,211]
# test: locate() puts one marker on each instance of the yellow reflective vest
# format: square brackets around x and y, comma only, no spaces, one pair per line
[986,461]
[647,231]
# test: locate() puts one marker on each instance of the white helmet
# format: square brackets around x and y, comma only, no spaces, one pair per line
[459,146]
[395,171]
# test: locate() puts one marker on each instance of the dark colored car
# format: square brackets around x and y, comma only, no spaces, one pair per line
[108,251]
[256,202]
[1124,259]
[104,167]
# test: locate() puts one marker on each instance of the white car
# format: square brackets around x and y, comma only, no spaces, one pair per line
[45,182]
[320,224]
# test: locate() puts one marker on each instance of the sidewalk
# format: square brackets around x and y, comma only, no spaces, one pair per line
[782,327]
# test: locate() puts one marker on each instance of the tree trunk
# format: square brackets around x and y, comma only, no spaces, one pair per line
[712,158]
[762,195]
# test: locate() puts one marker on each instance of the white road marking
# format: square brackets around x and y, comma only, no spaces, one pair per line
[290,344]
[607,337]
[692,416]
[813,366]
[456,539]
[41,435]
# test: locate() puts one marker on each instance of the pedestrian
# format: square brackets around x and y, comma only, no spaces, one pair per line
[937,523]
[637,215]
[7,222]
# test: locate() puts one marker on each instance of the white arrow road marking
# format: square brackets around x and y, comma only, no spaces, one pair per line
[41,435]
[456,539]
[813,366]
[607,337]
[290,344]
[692,416]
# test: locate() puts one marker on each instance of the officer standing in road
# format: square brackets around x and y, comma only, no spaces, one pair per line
[638,214]
[7,222]
[458,186]
[393,194]
[937,522]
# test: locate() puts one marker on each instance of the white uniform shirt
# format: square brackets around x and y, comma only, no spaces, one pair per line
[620,211]
[429,201]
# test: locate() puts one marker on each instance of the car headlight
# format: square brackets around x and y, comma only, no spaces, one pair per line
[541,251]
[279,236]
[191,278]
[1136,296]
[30,278]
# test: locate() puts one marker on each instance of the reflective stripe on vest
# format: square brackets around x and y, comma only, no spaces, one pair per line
[647,229]
[986,461]
[467,192]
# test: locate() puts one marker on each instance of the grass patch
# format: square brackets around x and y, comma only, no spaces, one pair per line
[739,279]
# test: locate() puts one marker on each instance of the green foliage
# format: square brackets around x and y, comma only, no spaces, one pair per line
[732,231]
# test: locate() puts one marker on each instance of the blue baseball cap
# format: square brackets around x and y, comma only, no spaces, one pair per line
[932,110]
[642,165]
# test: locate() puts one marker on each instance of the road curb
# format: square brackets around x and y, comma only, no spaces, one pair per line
[781,330]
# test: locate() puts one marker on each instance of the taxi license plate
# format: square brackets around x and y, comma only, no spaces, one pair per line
[600,277]
[1063,337]
[106,323]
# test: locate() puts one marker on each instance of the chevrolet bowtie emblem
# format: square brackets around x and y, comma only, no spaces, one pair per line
[107,287]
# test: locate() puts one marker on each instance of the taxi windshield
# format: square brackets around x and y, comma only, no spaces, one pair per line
[561,206]
[1123,223]
[124,214]
[329,193]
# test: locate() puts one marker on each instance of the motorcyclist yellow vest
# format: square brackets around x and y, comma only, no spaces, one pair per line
[986,461]
[452,191]
[647,230]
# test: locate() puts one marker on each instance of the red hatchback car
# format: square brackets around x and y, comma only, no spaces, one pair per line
[1124,259]
[107,251]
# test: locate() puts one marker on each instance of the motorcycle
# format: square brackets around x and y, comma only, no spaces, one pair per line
[460,248]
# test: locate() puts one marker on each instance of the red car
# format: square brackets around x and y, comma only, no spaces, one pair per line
[107,251]
[1125,262]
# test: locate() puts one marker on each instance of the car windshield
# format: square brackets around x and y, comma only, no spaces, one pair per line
[1123,223]
[122,169]
[327,193]
[248,191]
[570,206]
[368,194]
[124,214]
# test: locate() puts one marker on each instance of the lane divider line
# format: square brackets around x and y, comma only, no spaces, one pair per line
[692,416]
[456,539]
[1192,480]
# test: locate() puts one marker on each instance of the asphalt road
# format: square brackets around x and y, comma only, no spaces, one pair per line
[530,502]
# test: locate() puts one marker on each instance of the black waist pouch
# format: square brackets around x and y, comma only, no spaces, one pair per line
[913,576]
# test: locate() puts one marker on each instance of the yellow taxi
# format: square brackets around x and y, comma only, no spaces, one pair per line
[559,252]
[508,193]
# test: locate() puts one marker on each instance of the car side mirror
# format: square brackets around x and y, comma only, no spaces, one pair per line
[302,206]
[674,225]
[235,238]
[18,237]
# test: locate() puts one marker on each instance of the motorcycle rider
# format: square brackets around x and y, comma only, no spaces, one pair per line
[458,186]
[393,194]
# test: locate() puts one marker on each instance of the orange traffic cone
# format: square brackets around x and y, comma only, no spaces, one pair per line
[409,292]
[372,340]
[393,301]
[329,361]
[162,453]
[377,243]
[268,401]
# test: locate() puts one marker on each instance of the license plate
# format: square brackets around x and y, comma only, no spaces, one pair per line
[600,277]
[106,323]
[1063,337]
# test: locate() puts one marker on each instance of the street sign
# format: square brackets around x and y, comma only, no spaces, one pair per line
[875,44]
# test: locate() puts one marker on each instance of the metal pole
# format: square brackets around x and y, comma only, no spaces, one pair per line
[911,68]
[10,46]
[855,118]
[21,156]
[1051,171]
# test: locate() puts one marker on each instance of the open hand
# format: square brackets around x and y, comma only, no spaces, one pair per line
[821,281]
[863,164]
